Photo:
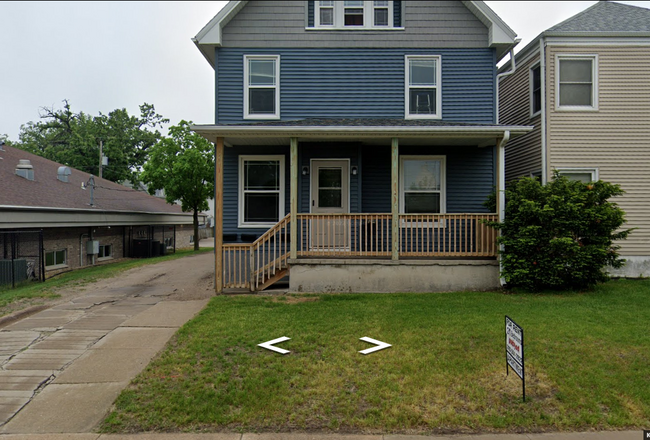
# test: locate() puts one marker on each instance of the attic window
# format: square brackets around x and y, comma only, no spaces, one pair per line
[354,14]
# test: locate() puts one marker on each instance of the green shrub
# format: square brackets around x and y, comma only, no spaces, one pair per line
[560,235]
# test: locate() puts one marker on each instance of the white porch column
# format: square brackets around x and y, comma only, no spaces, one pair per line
[294,198]
[218,217]
[395,198]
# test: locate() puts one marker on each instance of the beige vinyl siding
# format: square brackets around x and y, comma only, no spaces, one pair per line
[615,138]
[427,24]
[523,154]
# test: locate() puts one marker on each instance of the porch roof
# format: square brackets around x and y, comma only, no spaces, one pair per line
[366,130]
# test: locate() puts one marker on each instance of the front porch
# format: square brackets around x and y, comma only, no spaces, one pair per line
[391,207]
[359,252]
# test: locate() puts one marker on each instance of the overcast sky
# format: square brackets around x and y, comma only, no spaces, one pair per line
[107,55]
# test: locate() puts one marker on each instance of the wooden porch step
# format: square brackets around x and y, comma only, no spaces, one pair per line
[275,278]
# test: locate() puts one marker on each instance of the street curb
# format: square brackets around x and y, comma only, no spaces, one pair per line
[20,314]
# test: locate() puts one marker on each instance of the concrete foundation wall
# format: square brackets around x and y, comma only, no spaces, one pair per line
[635,267]
[339,276]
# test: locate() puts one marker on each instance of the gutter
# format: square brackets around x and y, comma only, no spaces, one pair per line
[513,68]
[371,131]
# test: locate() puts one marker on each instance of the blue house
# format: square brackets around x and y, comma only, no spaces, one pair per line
[356,143]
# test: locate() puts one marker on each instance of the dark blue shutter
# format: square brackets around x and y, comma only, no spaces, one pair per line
[397,13]
[310,13]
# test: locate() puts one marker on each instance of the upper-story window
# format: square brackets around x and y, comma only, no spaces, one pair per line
[423,98]
[577,84]
[535,90]
[261,87]
[353,14]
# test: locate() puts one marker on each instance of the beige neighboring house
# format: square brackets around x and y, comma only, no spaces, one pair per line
[585,86]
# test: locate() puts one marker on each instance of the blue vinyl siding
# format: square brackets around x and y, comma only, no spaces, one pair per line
[359,83]
[470,177]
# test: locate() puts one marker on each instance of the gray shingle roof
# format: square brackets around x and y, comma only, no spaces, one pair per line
[47,191]
[360,122]
[606,17]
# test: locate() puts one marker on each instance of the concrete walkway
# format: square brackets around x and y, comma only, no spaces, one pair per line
[620,435]
[62,368]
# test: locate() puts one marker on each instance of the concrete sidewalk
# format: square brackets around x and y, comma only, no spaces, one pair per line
[619,435]
[62,368]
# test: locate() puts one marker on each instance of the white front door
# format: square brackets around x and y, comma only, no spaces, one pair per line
[330,194]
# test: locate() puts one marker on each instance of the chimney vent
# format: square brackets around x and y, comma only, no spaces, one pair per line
[63,174]
[25,169]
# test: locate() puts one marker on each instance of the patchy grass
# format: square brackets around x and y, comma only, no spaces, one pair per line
[587,360]
[32,292]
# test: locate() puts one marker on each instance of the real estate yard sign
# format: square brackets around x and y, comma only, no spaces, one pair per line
[515,351]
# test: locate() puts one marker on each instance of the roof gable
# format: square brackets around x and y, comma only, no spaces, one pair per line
[500,36]
[606,17]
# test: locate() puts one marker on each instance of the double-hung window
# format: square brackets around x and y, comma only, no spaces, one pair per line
[261,87]
[423,97]
[577,82]
[261,190]
[422,184]
[353,14]
[584,175]
[535,90]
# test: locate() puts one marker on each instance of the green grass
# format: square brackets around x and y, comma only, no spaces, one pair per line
[587,361]
[35,290]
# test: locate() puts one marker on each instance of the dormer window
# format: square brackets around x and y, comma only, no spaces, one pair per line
[353,14]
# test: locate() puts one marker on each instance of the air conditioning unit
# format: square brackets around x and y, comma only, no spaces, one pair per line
[92,247]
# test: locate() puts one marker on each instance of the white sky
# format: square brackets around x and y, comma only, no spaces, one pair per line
[107,55]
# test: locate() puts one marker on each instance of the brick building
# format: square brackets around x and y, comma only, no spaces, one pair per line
[84,220]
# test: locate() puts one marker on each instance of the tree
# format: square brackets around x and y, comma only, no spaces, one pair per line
[183,165]
[560,235]
[74,139]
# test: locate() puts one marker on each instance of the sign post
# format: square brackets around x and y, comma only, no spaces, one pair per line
[515,351]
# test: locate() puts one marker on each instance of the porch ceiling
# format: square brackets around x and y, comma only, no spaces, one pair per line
[408,132]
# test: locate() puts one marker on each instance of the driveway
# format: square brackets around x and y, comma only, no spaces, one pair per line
[62,368]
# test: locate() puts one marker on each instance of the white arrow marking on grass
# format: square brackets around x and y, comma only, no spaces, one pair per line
[379,345]
[269,345]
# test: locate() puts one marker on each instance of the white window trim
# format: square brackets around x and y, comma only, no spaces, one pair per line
[247,86]
[530,89]
[592,170]
[240,210]
[368,17]
[57,266]
[110,257]
[438,87]
[594,88]
[443,180]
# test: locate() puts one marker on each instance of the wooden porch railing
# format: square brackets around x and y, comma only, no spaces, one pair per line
[447,235]
[252,266]
[344,235]
[255,266]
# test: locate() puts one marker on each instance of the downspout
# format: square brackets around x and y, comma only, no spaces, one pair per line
[81,249]
[502,192]
[542,77]
[513,67]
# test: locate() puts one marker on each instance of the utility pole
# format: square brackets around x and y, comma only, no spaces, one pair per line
[101,157]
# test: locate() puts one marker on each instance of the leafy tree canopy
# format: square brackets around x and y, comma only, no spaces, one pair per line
[73,139]
[183,165]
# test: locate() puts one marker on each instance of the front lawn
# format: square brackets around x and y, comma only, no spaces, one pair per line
[587,359]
